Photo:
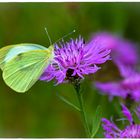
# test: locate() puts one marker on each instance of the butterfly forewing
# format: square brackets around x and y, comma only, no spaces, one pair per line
[25,69]
[9,52]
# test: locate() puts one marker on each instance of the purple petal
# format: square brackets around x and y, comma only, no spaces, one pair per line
[111,130]
[111,89]
[136,95]
[127,113]
[120,48]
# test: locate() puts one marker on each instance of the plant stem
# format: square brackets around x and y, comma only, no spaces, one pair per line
[83,113]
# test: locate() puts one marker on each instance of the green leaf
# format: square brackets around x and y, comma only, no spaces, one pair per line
[68,102]
[96,121]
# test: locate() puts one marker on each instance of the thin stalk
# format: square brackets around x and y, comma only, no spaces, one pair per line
[83,113]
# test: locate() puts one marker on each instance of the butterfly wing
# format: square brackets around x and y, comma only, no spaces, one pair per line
[9,52]
[25,69]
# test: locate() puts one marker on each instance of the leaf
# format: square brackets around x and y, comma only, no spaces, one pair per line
[68,102]
[96,121]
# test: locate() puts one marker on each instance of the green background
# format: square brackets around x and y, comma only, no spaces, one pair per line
[39,113]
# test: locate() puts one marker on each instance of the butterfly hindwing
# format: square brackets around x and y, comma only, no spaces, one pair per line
[24,70]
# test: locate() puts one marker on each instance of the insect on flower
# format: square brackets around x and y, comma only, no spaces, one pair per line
[23,64]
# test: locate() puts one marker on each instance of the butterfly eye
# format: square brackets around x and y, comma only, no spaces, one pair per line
[19,57]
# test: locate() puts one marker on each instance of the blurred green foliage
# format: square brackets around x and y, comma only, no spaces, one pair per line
[40,113]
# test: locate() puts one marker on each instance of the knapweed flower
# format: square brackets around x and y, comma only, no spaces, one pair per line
[76,59]
[120,48]
[128,87]
[124,55]
[130,131]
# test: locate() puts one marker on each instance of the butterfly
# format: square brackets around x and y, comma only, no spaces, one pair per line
[23,64]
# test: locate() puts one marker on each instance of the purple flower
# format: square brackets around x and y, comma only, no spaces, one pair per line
[76,59]
[127,114]
[124,55]
[128,87]
[120,48]
[111,130]
[130,131]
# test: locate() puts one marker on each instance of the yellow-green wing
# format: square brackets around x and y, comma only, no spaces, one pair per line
[10,51]
[3,52]
[25,69]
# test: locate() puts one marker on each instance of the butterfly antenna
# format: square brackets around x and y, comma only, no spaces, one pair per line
[65,35]
[48,36]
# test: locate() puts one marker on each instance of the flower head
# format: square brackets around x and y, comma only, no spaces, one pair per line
[75,59]
[120,48]
[128,87]
[130,131]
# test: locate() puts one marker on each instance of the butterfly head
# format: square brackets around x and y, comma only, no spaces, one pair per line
[51,50]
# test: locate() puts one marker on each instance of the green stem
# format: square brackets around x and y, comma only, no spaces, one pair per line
[83,113]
